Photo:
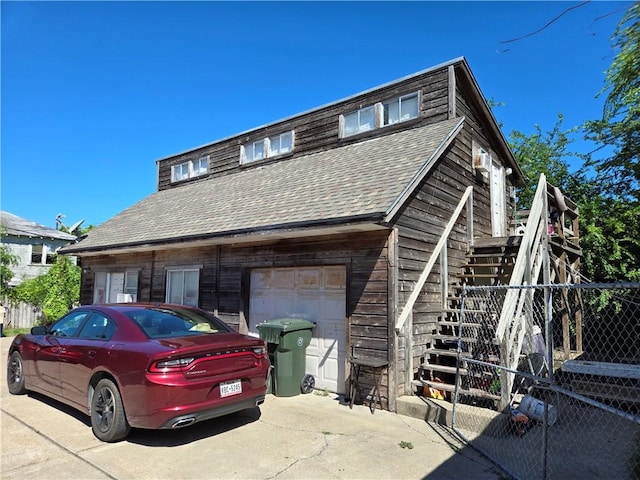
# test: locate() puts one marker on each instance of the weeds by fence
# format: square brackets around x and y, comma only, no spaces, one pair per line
[574,399]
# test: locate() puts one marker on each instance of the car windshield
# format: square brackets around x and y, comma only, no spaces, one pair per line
[159,322]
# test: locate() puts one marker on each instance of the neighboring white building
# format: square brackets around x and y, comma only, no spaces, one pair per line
[35,246]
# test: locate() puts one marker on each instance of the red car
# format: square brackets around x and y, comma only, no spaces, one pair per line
[141,365]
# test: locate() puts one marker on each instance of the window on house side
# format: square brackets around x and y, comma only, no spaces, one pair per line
[183,287]
[401,109]
[267,147]
[190,169]
[359,121]
[280,144]
[36,253]
[114,287]
[200,166]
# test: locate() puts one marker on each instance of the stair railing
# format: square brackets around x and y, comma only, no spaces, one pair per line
[516,318]
[467,198]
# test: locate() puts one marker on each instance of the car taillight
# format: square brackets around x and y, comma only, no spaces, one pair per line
[260,351]
[164,365]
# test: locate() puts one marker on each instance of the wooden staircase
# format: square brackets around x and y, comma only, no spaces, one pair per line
[493,261]
[489,262]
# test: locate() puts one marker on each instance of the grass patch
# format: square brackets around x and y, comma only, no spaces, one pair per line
[12,332]
[404,444]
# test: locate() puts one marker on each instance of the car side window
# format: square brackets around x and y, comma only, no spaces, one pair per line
[98,326]
[68,325]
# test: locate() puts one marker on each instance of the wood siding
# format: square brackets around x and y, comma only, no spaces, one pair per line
[420,224]
[224,280]
[318,130]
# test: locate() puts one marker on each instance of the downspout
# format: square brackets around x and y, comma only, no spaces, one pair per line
[392,305]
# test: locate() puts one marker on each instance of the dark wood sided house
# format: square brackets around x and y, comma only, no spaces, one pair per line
[358,215]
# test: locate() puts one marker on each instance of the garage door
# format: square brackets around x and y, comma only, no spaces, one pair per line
[313,293]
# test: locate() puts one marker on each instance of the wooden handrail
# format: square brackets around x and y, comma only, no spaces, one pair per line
[466,197]
[513,324]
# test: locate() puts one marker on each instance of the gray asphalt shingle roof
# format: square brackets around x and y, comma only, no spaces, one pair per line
[21,227]
[359,180]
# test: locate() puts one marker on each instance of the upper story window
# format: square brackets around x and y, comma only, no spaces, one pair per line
[400,109]
[359,121]
[280,144]
[393,111]
[267,147]
[190,169]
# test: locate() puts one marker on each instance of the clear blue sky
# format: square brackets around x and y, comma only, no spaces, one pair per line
[94,93]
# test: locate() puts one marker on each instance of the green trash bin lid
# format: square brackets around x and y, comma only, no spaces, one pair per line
[271,330]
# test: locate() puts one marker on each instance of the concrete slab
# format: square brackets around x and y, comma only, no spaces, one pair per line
[307,436]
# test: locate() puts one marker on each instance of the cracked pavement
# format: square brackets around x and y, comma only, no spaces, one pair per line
[307,436]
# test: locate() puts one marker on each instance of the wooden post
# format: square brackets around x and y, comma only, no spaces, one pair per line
[566,334]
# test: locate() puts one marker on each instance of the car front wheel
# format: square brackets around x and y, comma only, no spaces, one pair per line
[15,374]
[108,420]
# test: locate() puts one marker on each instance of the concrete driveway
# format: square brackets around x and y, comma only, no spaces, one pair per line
[307,436]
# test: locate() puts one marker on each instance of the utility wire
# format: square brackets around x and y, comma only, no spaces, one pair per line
[567,10]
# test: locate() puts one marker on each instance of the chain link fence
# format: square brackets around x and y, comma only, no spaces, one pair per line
[565,408]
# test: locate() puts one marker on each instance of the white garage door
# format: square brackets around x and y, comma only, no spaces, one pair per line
[313,293]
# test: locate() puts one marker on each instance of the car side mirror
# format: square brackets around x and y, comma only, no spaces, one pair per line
[39,330]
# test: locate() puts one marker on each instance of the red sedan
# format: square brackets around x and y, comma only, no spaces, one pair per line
[140,365]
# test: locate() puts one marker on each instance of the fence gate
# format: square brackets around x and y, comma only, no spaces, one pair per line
[574,409]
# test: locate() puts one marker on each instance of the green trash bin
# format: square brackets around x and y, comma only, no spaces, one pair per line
[287,341]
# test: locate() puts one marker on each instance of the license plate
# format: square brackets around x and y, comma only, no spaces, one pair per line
[230,388]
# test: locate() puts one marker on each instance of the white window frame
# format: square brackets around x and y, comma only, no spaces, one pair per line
[378,115]
[46,254]
[399,100]
[174,274]
[248,150]
[357,115]
[115,287]
[271,152]
[190,169]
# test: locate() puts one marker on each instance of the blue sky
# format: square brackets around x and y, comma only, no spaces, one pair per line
[93,93]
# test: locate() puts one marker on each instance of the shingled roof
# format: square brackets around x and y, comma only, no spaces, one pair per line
[362,182]
[21,227]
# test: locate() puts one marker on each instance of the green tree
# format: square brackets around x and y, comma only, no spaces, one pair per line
[618,131]
[610,216]
[7,260]
[55,292]
[543,152]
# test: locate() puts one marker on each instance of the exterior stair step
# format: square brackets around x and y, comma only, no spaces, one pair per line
[476,392]
[443,368]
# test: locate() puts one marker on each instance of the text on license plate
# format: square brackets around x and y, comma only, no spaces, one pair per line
[230,388]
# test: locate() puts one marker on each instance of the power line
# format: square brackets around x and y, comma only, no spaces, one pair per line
[567,10]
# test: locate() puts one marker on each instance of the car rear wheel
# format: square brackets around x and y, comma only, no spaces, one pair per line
[108,420]
[15,374]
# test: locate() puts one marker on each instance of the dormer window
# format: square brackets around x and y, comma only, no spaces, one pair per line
[269,147]
[359,121]
[280,144]
[254,151]
[190,169]
[401,109]
[379,115]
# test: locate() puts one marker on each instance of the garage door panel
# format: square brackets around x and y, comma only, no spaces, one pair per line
[313,293]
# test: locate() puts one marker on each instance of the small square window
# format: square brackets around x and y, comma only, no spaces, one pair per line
[180,172]
[280,144]
[359,121]
[401,109]
[201,166]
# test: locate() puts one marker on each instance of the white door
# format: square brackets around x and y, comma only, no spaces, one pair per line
[498,203]
[317,294]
